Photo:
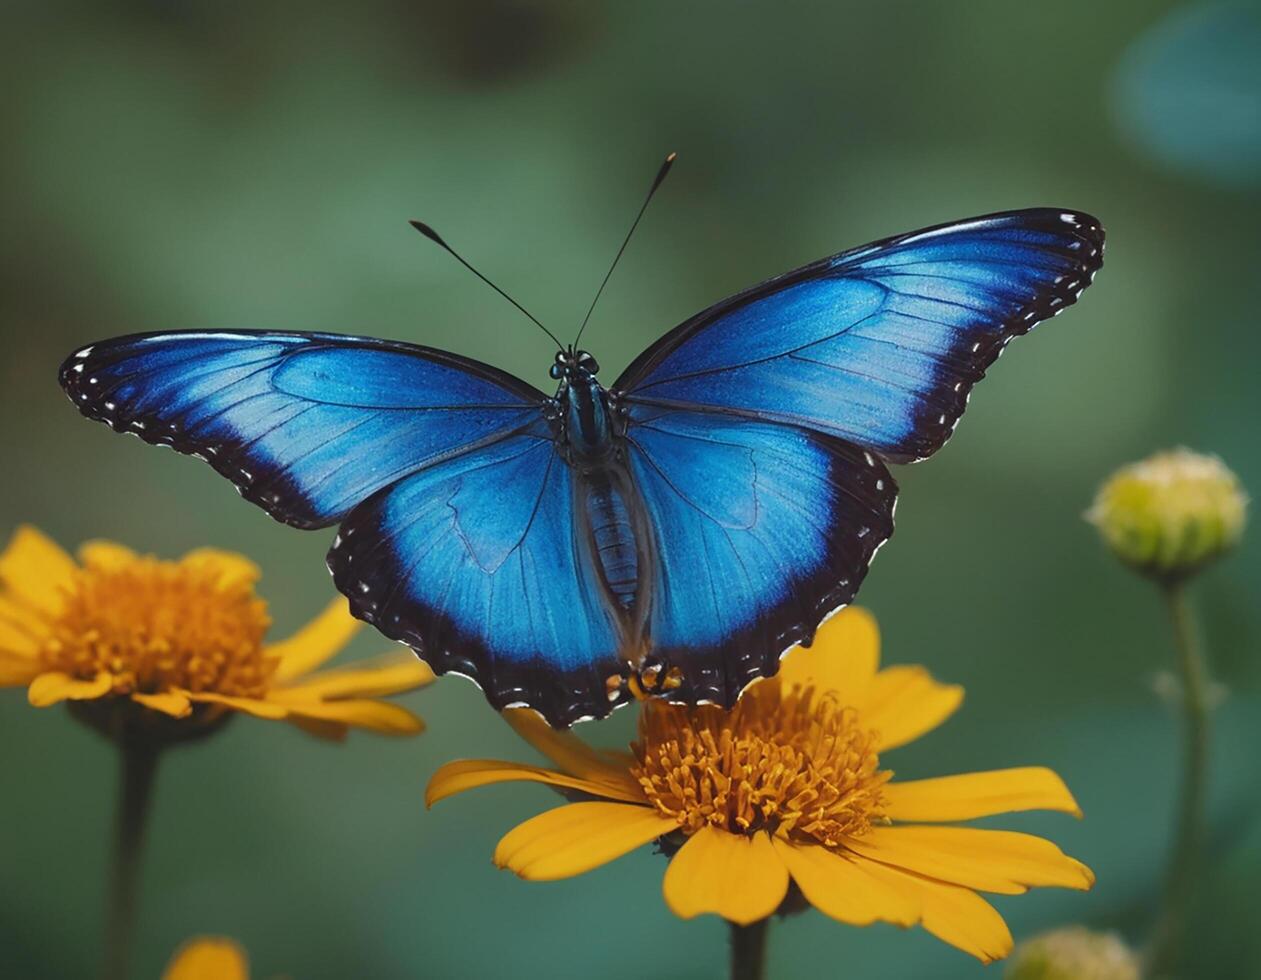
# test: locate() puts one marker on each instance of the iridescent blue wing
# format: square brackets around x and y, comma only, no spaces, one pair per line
[880,345]
[761,531]
[474,563]
[306,425]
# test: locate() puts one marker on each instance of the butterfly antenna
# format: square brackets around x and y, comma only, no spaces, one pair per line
[656,182]
[433,236]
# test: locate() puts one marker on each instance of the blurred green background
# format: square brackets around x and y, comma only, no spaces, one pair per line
[192,164]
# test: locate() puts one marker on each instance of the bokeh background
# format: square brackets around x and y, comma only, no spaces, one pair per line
[196,164]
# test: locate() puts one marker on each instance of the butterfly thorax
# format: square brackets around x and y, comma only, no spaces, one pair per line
[586,424]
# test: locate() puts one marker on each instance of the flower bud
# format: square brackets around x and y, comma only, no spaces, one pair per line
[1170,514]
[1073,953]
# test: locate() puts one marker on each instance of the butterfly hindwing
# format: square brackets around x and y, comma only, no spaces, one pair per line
[306,425]
[880,345]
[761,530]
[473,563]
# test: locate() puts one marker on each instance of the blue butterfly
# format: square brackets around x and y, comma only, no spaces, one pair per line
[672,534]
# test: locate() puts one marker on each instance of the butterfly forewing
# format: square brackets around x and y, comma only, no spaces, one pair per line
[879,345]
[306,425]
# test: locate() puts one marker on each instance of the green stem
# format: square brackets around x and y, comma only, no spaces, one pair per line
[1185,855]
[138,763]
[748,950]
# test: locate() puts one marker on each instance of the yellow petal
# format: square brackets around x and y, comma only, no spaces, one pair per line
[377,716]
[572,839]
[316,642]
[17,670]
[570,752]
[396,671]
[839,886]
[989,860]
[954,915]
[740,878]
[55,687]
[250,706]
[34,568]
[979,794]
[843,657]
[105,555]
[16,644]
[208,958]
[905,702]
[232,568]
[465,774]
[173,703]
[21,628]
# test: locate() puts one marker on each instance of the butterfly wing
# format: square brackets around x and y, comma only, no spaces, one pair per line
[306,425]
[758,430]
[474,563]
[880,345]
[457,516]
[761,531]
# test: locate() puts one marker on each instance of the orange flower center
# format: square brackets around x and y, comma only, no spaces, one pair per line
[155,625]
[796,765]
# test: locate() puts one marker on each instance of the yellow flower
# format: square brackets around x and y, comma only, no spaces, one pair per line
[789,787]
[184,639]
[208,958]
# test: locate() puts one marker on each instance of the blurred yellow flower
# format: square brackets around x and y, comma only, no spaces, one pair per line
[184,639]
[208,958]
[789,787]
[1074,953]
[1170,514]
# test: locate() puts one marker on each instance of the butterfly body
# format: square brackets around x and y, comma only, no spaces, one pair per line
[611,526]
[674,533]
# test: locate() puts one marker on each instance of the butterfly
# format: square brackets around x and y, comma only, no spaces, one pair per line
[672,534]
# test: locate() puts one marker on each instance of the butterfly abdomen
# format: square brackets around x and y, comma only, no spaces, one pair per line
[607,513]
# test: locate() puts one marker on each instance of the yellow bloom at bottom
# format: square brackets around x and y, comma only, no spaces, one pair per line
[788,789]
[183,639]
[208,958]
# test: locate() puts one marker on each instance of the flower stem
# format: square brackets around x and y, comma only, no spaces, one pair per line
[748,950]
[1184,857]
[138,763]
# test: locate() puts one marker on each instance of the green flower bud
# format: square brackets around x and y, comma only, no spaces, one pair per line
[1073,953]
[1170,514]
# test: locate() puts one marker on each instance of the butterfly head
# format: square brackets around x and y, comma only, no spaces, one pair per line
[574,365]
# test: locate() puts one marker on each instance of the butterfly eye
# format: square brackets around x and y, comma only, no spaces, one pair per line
[588,363]
[556,372]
